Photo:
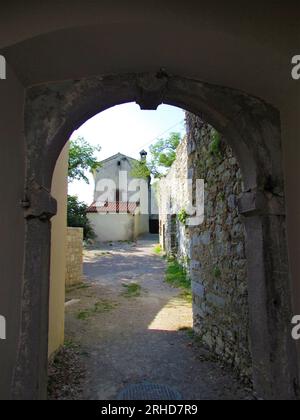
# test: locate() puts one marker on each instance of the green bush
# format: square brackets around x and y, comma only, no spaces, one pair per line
[77,217]
[157,249]
[183,216]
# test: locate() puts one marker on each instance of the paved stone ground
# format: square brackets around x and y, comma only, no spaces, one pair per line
[131,340]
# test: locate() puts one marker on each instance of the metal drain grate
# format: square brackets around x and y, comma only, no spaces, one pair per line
[147,391]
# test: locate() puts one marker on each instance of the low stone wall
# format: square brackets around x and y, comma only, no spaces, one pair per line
[74,256]
[214,251]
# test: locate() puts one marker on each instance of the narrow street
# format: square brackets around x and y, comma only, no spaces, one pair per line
[133,328]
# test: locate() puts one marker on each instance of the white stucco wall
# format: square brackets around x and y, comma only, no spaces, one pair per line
[141,225]
[112,227]
[118,227]
[117,171]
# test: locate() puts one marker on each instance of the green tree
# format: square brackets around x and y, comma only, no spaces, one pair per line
[81,159]
[140,169]
[77,217]
[163,154]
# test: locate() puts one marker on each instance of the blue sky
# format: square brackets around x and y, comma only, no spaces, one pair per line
[125,129]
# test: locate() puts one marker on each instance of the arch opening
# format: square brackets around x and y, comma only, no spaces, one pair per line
[189,157]
[253,130]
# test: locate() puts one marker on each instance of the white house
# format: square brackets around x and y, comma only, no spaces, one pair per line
[120,211]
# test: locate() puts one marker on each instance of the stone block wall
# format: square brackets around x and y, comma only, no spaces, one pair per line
[173,197]
[74,263]
[215,250]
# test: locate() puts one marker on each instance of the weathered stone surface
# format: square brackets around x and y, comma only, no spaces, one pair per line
[214,251]
[252,128]
[198,289]
[74,256]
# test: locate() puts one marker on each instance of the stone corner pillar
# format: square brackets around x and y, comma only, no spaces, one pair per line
[274,357]
[30,376]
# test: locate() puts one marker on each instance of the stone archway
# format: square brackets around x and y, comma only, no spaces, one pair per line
[52,113]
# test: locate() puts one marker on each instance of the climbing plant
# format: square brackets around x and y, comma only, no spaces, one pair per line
[215,145]
[182,216]
[140,169]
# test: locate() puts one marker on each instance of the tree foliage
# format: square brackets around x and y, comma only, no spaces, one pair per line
[140,169]
[77,217]
[163,154]
[81,159]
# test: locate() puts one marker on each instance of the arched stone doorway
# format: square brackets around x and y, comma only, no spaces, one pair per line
[52,113]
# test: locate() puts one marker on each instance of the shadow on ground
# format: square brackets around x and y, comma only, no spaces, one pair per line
[127,339]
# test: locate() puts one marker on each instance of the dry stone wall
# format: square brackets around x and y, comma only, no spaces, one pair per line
[173,198]
[74,263]
[214,252]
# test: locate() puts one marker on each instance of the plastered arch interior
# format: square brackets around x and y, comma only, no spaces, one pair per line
[252,127]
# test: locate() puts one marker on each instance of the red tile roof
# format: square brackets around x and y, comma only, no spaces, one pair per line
[113,207]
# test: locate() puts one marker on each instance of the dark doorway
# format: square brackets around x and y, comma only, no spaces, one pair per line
[154,226]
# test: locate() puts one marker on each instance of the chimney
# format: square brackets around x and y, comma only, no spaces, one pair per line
[143,154]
